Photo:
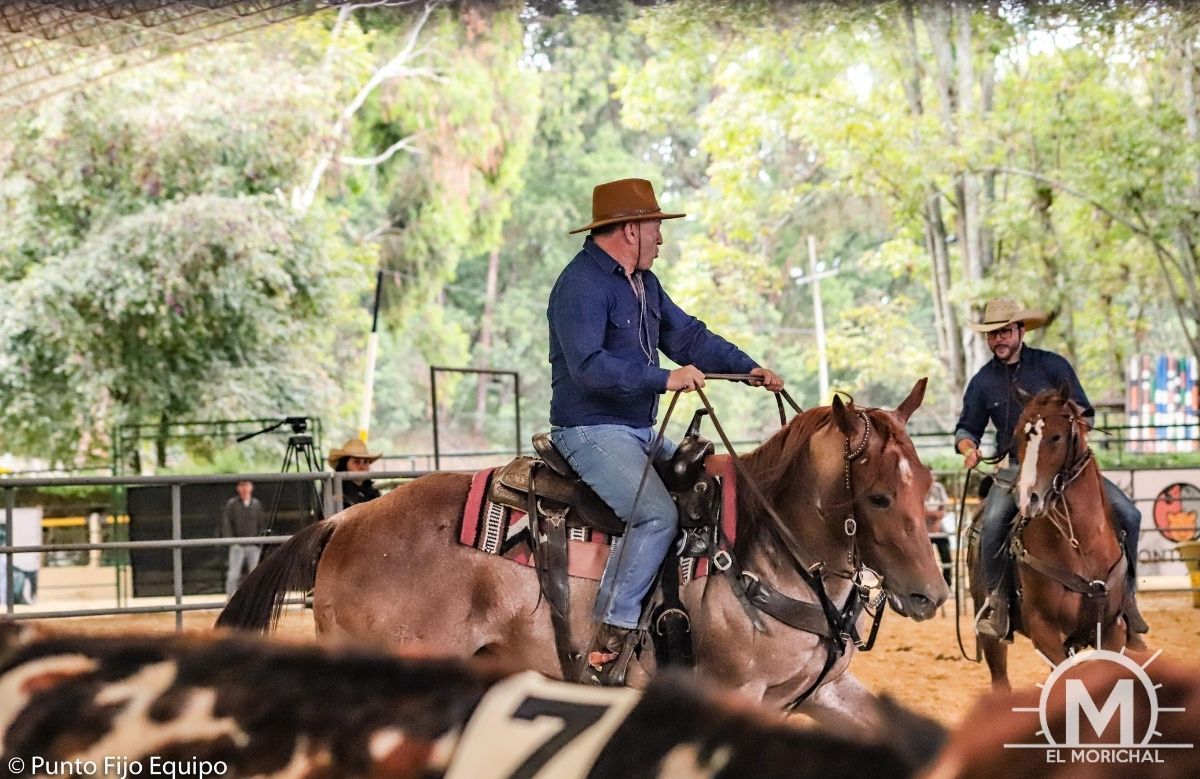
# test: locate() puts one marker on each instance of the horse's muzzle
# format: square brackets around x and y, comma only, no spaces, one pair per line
[916,606]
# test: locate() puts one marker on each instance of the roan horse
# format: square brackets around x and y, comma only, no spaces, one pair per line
[845,482]
[1070,565]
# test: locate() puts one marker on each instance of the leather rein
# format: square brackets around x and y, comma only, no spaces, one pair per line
[1095,591]
[836,626]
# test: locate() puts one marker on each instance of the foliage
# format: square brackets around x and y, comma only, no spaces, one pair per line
[206,295]
[153,269]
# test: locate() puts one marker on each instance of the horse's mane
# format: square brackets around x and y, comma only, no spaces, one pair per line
[783,459]
[779,454]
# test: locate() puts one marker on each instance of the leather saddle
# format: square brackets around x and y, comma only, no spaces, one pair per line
[559,489]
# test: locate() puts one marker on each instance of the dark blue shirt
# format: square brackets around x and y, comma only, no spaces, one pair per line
[991,397]
[605,338]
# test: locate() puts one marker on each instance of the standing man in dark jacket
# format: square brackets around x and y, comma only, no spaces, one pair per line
[991,397]
[609,318]
[242,517]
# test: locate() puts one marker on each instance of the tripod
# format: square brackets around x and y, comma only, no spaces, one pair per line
[300,454]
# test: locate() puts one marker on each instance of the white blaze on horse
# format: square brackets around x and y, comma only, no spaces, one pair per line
[844,492]
[233,707]
[1069,562]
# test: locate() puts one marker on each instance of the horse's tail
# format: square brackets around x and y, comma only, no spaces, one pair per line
[258,602]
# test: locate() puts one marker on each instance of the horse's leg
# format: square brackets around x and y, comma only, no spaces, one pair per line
[1048,638]
[843,702]
[996,654]
[1113,635]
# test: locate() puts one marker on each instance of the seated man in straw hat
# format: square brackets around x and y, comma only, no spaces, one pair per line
[353,457]
[609,318]
[990,396]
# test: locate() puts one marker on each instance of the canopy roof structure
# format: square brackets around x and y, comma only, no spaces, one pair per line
[51,47]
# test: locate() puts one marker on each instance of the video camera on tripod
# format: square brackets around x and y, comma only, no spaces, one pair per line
[301,451]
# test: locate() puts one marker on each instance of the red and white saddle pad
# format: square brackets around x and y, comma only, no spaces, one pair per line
[502,530]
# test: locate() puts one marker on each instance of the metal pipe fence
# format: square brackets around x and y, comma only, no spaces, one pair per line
[332,496]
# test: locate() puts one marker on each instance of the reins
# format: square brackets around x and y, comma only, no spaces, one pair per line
[839,625]
[960,562]
[1058,513]
[1095,591]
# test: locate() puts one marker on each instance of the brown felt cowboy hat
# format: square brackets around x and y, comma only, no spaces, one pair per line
[1002,312]
[625,200]
[354,447]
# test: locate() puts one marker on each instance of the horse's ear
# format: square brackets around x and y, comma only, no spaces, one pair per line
[1022,396]
[1075,408]
[841,415]
[1064,391]
[913,401]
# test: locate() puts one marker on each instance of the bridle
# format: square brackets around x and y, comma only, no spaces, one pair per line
[836,626]
[1073,464]
[1057,510]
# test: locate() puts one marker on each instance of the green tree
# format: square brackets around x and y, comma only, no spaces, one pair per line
[153,269]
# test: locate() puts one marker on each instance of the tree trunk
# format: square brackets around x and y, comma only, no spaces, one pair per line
[955,74]
[943,280]
[486,330]
[936,246]
[1186,229]
[970,192]
[1191,113]
[160,442]
[987,93]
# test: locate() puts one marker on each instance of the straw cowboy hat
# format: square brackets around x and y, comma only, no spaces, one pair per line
[354,447]
[1002,312]
[625,200]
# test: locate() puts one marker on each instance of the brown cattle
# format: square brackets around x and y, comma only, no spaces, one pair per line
[1003,736]
[242,706]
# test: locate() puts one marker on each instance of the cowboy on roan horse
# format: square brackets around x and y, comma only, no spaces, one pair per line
[608,318]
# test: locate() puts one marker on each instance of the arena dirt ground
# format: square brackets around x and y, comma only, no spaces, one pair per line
[917,663]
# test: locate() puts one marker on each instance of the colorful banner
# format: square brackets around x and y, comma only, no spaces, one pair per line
[1162,402]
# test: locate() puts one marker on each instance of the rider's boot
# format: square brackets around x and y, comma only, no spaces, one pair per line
[992,619]
[607,656]
[1133,617]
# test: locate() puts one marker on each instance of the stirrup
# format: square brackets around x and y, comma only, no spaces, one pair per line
[608,656]
[692,542]
[992,620]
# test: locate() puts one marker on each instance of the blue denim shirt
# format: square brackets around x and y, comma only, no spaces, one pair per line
[604,343]
[990,396]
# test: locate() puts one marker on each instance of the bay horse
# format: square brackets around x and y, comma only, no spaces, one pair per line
[1069,562]
[393,569]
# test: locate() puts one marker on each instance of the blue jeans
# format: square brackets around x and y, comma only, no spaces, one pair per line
[999,508]
[611,460]
[240,556]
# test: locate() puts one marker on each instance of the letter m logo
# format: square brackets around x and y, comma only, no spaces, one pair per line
[1080,700]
